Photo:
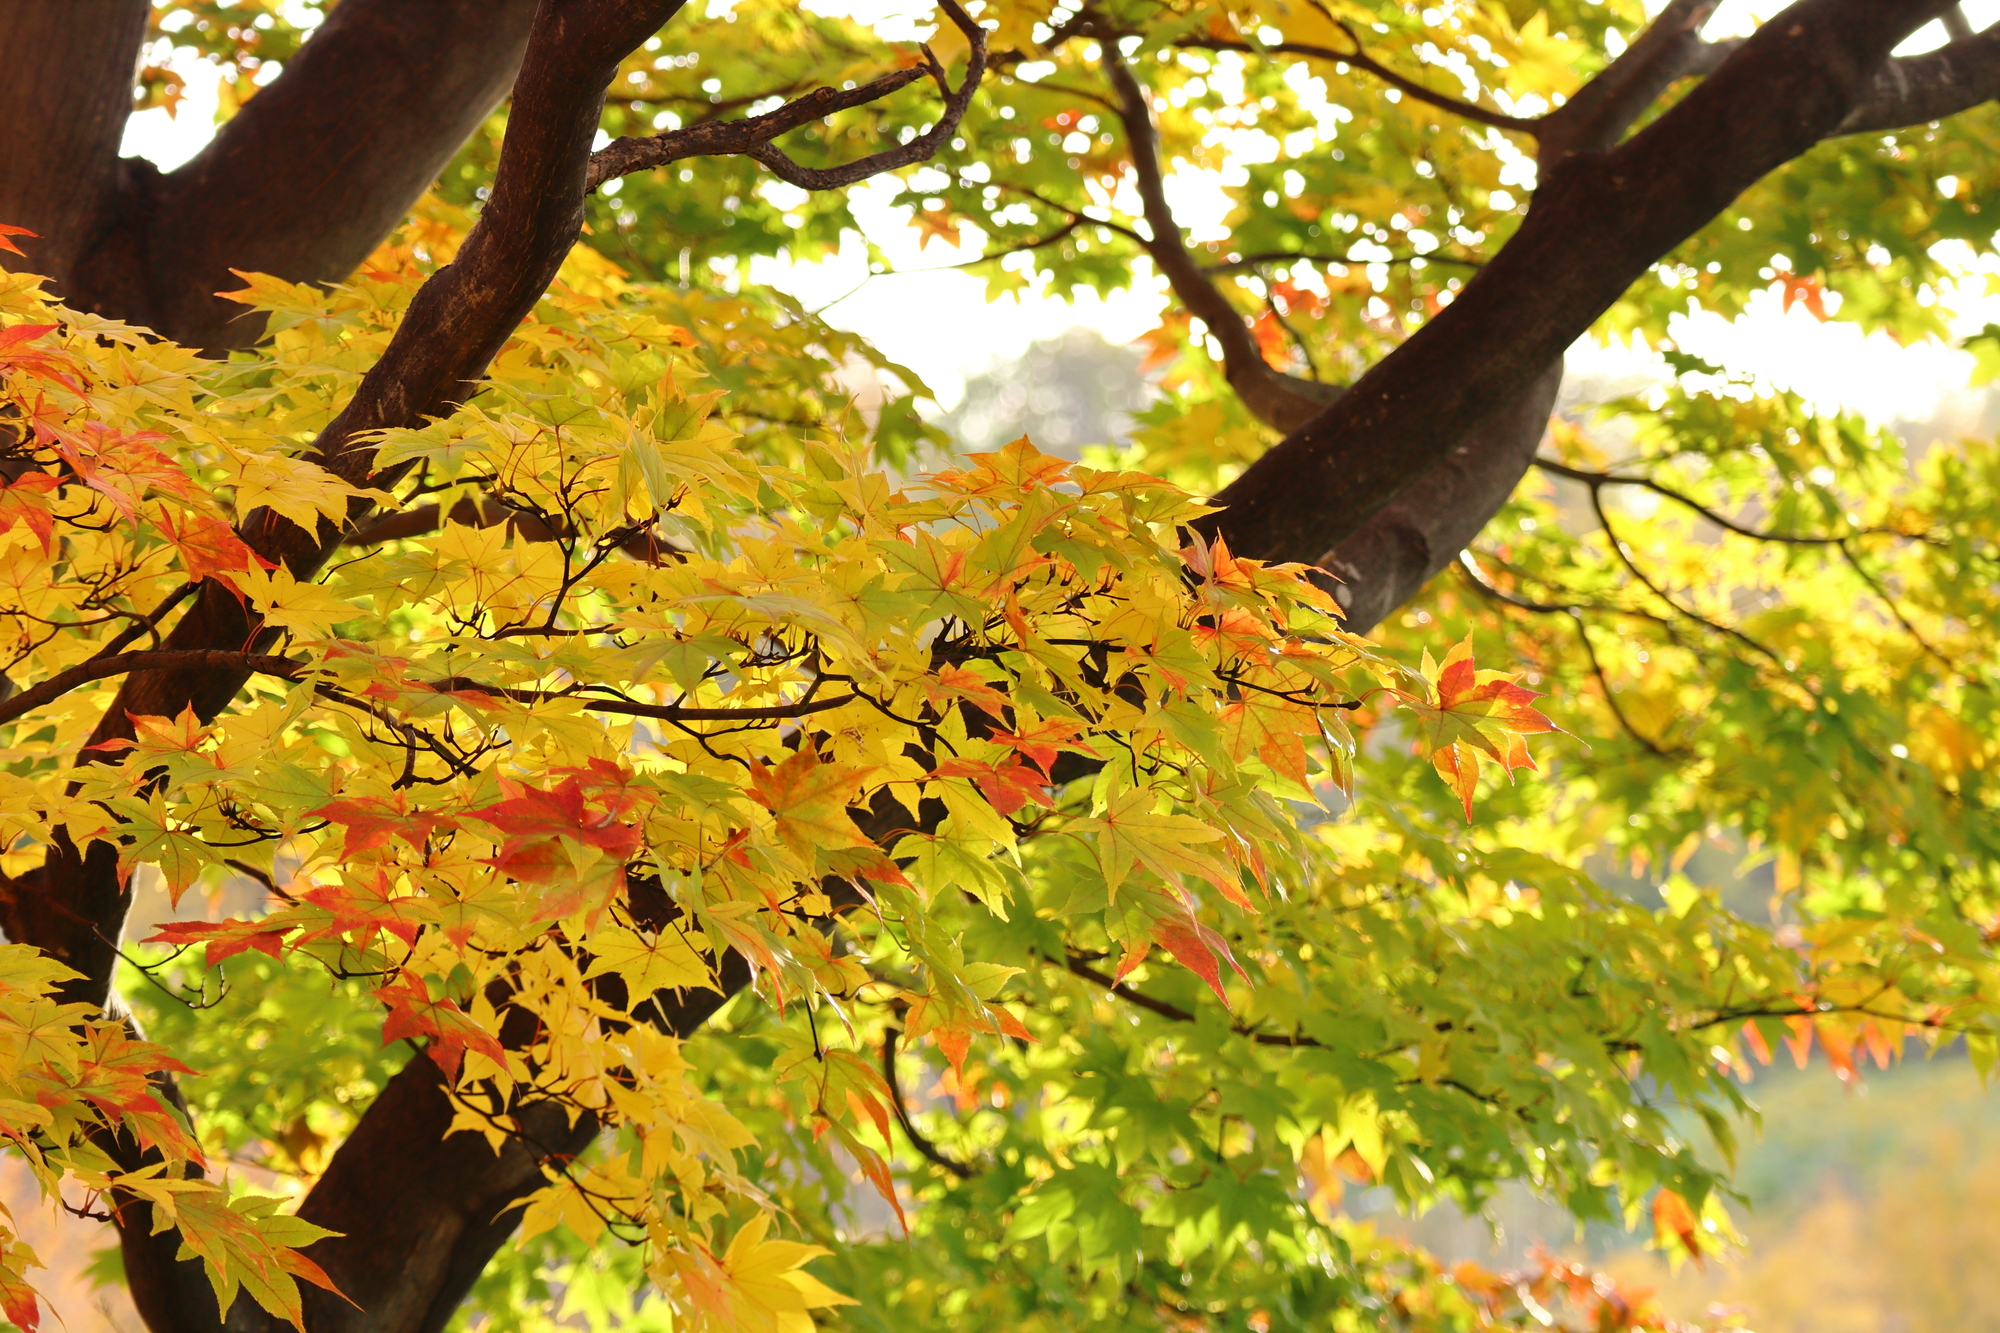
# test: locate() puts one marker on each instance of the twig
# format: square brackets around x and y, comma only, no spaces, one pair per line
[930,1151]
[1360,59]
[1727,524]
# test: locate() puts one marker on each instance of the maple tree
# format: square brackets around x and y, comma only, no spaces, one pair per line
[686,806]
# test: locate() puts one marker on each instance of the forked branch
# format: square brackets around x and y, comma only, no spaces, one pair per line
[755,136]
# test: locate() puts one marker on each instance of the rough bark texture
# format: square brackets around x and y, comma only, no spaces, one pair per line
[302,183]
[68,89]
[1422,530]
[1384,485]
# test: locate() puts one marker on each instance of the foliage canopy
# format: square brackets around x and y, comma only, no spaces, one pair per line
[973,877]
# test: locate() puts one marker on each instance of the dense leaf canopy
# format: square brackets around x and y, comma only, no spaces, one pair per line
[876,885]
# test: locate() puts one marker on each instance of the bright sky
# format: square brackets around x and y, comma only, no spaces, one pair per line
[938,322]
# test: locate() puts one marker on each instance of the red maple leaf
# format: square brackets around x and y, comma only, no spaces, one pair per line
[529,816]
[23,501]
[370,821]
[414,1013]
[1006,787]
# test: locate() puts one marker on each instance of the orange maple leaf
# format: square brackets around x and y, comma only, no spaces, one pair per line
[1470,713]
[1673,1217]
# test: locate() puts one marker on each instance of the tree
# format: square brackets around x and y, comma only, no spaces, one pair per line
[618,742]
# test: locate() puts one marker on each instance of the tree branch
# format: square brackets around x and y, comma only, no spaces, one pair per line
[920,148]
[930,1151]
[69,75]
[1281,401]
[1915,89]
[1598,223]
[76,906]
[1602,110]
[309,176]
[119,664]
[1360,59]
[719,138]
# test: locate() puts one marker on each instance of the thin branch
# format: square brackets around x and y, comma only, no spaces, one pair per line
[1280,400]
[931,1152]
[1477,577]
[1263,257]
[1360,59]
[755,136]
[662,712]
[1895,609]
[1082,218]
[1173,1011]
[103,668]
[722,138]
[1624,557]
[1681,498]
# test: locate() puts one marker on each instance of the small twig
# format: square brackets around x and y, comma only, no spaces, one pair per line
[1263,257]
[1477,578]
[931,1152]
[1360,59]
[1173,1011]
[1720,520]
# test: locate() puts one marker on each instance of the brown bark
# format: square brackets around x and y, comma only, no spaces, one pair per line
[68,89]
[1599,221]
[302,183]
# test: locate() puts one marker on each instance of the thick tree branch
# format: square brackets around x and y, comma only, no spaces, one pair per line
[75,906]
[1916,89]
[1602,110]
[312,173]
[1390,557]
[104,667]
[1598,222]
[69,75]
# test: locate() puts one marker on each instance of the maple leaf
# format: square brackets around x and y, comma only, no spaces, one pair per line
[225,939]
[1171,921]
[413,1012]
[1018,468]
[1674,1219]
[371,821]
[24,501]
[207,546]
[1131,833]
[809,799]
[530,818]
[244,1244]
[936,224]
[956,683]
[1006,787]
[283,601]
[8,245]
[18,1300]
[296,488]
[1467,713]
[666,962]
[1042,742]
[48,363]
[362,905]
